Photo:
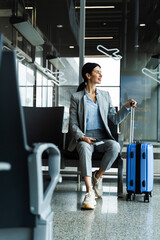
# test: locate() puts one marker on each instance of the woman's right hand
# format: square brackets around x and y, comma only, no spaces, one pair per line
[88,140]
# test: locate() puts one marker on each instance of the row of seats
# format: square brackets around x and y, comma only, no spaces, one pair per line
[25,210]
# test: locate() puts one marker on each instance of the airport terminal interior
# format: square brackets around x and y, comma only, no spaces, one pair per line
[43,46]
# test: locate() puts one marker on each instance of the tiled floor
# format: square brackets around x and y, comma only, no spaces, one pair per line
[112,219]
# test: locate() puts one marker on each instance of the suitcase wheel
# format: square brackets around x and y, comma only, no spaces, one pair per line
[146,197]
[130,196]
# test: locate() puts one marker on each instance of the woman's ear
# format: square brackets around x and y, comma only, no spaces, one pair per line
[88,76]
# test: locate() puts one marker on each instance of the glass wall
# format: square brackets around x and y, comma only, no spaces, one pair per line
[37,90]
[144,91]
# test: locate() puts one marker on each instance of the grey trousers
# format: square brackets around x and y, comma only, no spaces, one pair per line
[110,147]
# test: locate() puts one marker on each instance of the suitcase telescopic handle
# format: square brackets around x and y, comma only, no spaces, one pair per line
[131,135]
[131,104]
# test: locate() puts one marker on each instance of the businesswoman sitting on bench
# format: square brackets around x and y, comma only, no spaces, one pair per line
[89,111]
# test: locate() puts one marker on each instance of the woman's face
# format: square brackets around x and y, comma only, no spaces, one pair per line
[96,76]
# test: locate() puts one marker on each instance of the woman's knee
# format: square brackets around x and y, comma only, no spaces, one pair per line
[113,146]
[83,146]
[116,146]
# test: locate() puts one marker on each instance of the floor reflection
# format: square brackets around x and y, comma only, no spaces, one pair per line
[112,218]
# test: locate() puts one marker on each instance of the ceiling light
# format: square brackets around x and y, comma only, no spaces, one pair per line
[29,8]
[71,46]
[59,26]
[93,7]
[142,25]
[89,38]
[5,12]
[26,29]
[58,64]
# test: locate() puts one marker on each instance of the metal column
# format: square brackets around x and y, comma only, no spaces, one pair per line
[136,23]
[136,33]
[81,37]
[158,106]
[124,61]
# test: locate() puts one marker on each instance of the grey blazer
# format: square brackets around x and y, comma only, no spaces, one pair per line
[77,121]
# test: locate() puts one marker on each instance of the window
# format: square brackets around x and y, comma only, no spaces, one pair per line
[110,83]
[26,83]
[44,91]
[110,77]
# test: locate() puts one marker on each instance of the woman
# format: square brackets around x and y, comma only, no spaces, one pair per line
[89,112]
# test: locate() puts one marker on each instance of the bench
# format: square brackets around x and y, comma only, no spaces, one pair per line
[45,125]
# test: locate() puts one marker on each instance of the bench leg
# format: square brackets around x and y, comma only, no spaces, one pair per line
[78,182]
[120,178]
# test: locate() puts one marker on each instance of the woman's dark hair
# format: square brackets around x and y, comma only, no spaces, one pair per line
[87,68]
[81,87]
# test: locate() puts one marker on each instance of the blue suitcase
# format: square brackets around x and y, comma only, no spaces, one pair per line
[139,167]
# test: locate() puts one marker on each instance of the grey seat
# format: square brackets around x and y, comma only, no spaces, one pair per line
[25,210]
[44,124]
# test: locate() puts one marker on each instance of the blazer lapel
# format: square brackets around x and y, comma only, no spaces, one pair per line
[102,107]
